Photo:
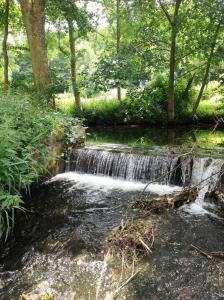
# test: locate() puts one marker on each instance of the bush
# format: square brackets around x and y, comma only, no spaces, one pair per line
[150,104]
[25,133]
[147,105]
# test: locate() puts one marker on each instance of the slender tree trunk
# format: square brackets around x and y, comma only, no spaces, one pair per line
[171,89]
[33,12]
[207,70]
[188,87]
[118,42]
[4,46]
[75,86]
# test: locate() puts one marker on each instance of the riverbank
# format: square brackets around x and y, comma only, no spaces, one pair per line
[112,112]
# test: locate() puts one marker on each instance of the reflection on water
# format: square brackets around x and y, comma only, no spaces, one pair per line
[147,135]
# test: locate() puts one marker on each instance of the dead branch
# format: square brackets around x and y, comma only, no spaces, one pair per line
[208,256]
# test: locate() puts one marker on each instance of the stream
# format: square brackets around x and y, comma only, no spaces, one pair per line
[59,245]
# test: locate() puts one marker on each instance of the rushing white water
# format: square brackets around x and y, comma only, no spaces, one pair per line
[165,169]
[205,174]
[122,165]
[104,183]
[96,169]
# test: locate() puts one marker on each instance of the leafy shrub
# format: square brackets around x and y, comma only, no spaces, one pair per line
[213,88]
[22,77]
[25,133]
[150,103]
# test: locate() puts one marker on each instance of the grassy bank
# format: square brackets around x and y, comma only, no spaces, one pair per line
[111,112]
[26,132]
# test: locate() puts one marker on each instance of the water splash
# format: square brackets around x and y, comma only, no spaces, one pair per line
[131,171]
[105,184]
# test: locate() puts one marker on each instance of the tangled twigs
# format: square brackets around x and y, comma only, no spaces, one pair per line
[160,204]
[131,241]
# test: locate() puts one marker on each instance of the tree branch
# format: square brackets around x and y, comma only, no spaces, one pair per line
[166,13]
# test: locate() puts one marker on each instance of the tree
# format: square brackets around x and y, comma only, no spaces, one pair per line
[73,60]
[118,41]
[207,69]
[4,45]
[215,14]
[34,19]
[77,26]
[173,20]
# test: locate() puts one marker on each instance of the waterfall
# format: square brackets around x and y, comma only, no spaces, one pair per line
[164,169]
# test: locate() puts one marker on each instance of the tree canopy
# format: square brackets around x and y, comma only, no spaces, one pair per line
[93,46]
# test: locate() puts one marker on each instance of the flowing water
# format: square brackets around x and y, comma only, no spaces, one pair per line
[60,247]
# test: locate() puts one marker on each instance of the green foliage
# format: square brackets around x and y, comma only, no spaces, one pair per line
[60,74]
[209,110]
[25,133]
[116,71]
[150,103]
[22,76]
[69,11]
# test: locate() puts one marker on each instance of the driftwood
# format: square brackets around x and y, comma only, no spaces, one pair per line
[160,204]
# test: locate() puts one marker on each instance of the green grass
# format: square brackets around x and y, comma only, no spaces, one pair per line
[209,110]
[110,111]
[95,111]
[99,112]
[66,103]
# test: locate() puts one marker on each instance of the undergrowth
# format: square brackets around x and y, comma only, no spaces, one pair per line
[25,133]
[111,112]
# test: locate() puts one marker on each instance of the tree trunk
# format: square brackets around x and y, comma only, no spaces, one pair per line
[171,89]
[118,42]
[188,87]
[33,12]
[73,67]
[171,108]
[4,46]
[207,70]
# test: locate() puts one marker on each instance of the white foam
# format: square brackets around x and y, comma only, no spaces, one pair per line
[105,183]
[194,209]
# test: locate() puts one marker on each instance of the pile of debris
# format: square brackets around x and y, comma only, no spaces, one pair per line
[160,204]
[131,241]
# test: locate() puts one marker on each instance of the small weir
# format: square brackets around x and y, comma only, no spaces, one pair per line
[171,169]
[61,245]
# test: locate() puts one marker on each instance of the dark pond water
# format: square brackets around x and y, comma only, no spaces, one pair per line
[157,136]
